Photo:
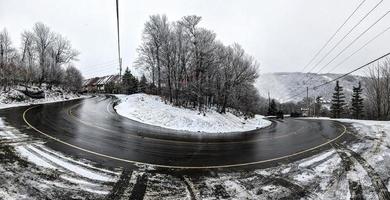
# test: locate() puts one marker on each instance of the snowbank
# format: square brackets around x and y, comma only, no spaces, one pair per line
[150,109]
[13,97]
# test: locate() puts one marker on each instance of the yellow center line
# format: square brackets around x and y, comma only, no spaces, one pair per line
[175,166]
[70,113]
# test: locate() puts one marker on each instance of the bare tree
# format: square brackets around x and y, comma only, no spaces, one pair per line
[40,59]
[73,78]
[28,57]
[8,56]
[60,52]
[193,68]
[43,38]
[155,33]
[386,88]
[378,90]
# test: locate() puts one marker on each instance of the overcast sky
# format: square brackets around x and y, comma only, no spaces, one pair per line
[283,35]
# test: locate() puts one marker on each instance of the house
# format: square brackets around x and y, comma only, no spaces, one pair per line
[98,84]
[305,112]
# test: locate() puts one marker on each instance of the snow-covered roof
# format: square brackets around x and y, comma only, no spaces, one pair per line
[102,80]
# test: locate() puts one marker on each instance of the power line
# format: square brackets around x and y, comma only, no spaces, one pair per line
[346,74]
[345,36]
[367,43]
[334,34]
[331,38]
[350,44]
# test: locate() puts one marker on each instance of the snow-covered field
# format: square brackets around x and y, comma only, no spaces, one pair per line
[14,98]
[153,110]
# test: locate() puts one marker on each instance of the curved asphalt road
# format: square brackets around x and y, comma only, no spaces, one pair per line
[90,128]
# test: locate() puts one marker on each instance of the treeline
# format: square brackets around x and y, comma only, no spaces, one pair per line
[378,91]
[42,57]
[370,102]
[188,66]
[370,99]
[129,84]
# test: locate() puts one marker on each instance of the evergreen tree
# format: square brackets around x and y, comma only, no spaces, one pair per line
[129,82]
[318,105]
[357,102]
[143,84]
[338,101]
[272,110]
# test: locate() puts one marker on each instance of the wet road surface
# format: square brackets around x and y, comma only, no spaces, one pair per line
[91,129]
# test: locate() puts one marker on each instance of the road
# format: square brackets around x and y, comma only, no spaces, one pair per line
[90,128]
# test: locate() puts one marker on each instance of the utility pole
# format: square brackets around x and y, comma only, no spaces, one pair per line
[269,102]
[269,99]
[307,99]
[119,45]
[314,108]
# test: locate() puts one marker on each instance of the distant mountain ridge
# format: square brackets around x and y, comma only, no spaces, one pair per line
[284,85]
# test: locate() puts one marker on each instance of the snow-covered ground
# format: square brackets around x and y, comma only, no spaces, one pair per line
[345,171]
[150,109]
[30,170]
[348,170]
[14,98]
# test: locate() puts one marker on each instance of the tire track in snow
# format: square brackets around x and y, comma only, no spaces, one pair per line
[120,186]
[357,190]
[190,187]
[139,188]
[377,182]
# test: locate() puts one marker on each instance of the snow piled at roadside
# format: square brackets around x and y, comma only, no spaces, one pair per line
[14,98]
[150,109]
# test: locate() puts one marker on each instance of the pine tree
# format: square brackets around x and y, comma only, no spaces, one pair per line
[357,102]
[129,82]
[143,84]
[338,101]
[272,110]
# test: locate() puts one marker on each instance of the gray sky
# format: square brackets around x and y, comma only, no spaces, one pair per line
[283,35]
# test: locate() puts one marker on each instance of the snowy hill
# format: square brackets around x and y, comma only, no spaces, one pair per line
[284,85]
[151,109]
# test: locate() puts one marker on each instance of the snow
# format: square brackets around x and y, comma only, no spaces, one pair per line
[317,159]
[233,187]
[150,109]
[83,164]
[32,157]
[55,175]
[304,177]
[77,181]
[72,167]
[97,191]
[15,98]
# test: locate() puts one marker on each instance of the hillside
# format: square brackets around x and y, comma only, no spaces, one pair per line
[284,85]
